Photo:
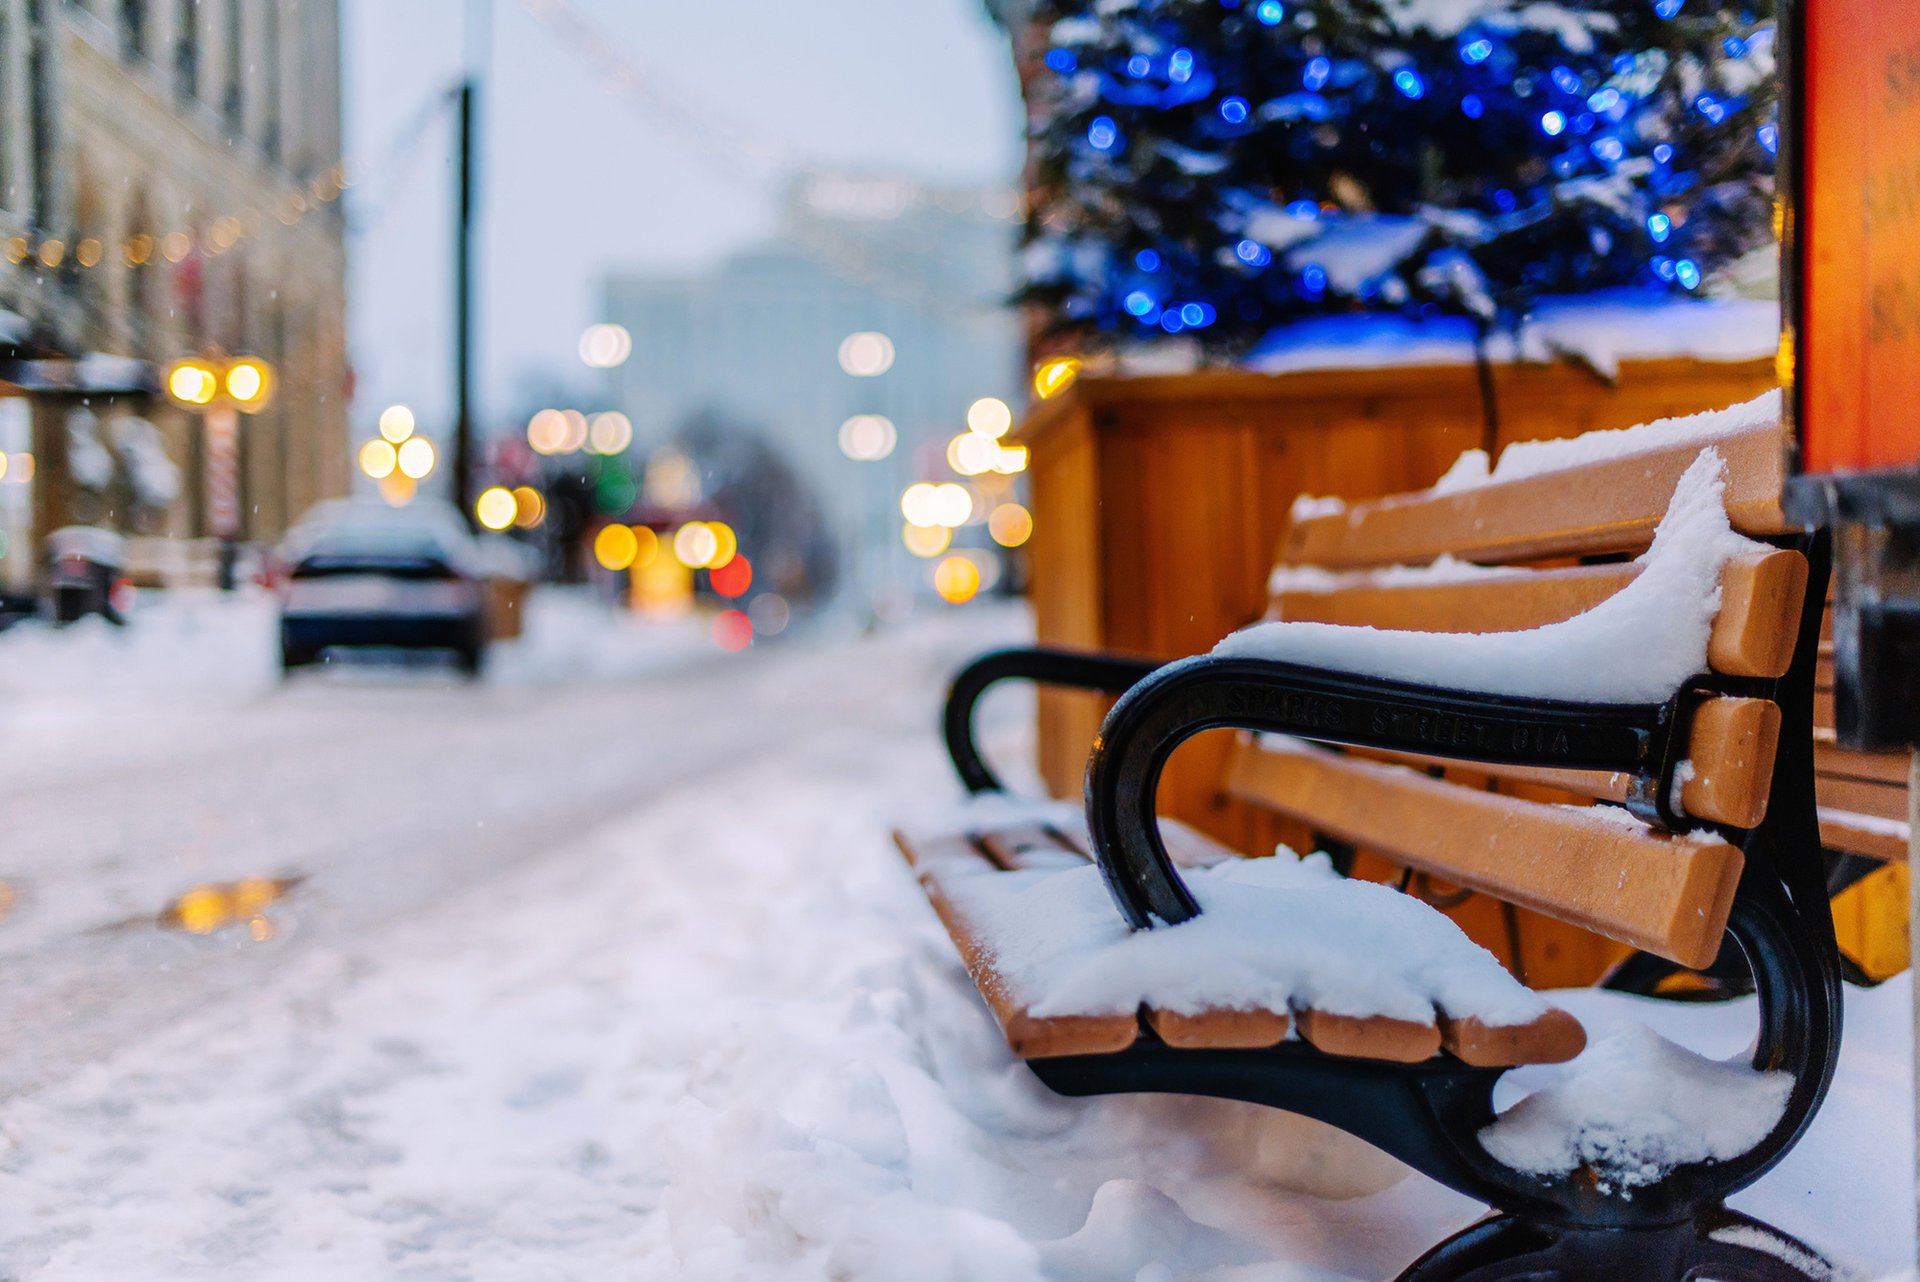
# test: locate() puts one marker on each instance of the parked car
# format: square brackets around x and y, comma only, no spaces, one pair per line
[367,578]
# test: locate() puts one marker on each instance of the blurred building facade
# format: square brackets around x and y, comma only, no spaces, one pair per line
[169,182]
[754,342]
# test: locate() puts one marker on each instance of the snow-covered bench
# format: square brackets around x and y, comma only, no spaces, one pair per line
[1675,690]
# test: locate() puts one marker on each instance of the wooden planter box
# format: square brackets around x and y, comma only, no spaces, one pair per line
[1159,504]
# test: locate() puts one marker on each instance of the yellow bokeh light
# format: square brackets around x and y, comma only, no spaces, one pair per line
[1011,460]
[416,457]
[1055,376]
[615,547]
[970,454]
[576,437]
[192,383]
[247,383]
[378,459]
[926,540]
[176,246]
[396,423]
[397,489]
[52,253]
[87,253]
[646,547]
[202,910]
[138,250]
[496,507]
[695,545]
[529,507]
[990,417]
[726,544]
[3,467]
[956,579]
[1010,525]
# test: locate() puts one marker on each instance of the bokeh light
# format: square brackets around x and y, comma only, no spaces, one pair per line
[604,346]
[769,613]
[1010,525]
[867,438]
[1011,460]
[646,547]
[920,505]
[248,382]
[953,505]
[193,383]
[396,423]
[732,630]
[529,508]
[496,507]
[867,354]
[378,459]
[615,547]
[416,457]
[609,432]
[989,417]
[547,432]
[733,578]
[926,540]
[726,544]
[956,579]
[694,545]
[1055,376]
[970,454]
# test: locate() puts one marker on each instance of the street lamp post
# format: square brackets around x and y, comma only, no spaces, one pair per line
[220,390]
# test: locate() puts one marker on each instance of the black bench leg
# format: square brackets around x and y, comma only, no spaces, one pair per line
[1721,1245]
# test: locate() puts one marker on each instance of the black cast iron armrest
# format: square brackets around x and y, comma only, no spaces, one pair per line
[1180,700]
[1084,669]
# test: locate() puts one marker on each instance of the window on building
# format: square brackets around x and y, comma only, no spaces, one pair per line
[233,101]
[9,77]
[133,28]
[270,62]
[186,50]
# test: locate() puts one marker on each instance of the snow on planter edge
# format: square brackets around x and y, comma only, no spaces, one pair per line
[1632,1107]
[1637,646]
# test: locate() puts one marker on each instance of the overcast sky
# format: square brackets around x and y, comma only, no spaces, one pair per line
[580,176]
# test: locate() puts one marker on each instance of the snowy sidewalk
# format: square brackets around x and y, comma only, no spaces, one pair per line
[725,1039]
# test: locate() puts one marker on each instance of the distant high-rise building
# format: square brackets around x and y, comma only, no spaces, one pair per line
[756,341]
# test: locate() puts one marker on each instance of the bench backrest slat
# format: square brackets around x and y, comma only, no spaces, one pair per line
[1610,505]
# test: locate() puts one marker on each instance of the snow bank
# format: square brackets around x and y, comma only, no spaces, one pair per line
[1637,646]
[1272,934]
[1633,1106]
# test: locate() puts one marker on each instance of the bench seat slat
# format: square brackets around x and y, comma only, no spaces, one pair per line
[1752,636]
[1860,835]
[1552,1038]
[1609,505]
[1666,895]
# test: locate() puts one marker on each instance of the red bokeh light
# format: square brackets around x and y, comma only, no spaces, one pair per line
[733,578]
[732,630]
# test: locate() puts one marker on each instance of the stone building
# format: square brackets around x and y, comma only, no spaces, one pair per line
[170,173]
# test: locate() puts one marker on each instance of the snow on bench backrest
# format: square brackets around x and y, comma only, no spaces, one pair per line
[1598,493]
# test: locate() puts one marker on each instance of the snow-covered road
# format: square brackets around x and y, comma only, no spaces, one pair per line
[712,1033]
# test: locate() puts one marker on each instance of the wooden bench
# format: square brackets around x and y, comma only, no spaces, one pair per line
[1429,776]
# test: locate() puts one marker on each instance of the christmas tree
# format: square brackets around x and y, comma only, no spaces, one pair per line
[1217,167]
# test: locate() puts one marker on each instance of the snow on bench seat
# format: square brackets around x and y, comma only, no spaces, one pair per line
[1283,945]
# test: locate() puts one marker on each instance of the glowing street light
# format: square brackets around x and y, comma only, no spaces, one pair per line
[193,383]
[249,384]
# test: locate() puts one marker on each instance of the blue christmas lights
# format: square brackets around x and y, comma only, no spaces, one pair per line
[1180,66]
[1473,107]
[1270,12]
[1409,83]
[1234,110]
[1666,8]
[1061,62]
[1147,260]
[1318,71]
[1476,52]
[1769,136]
[1139,66]
[1554,123]
[1687,272]
[1305,210]
[1253,253]
[1659,226]
[1139,302]
[1103,133]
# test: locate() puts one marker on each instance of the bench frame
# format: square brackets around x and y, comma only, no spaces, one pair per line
[1429,1114]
